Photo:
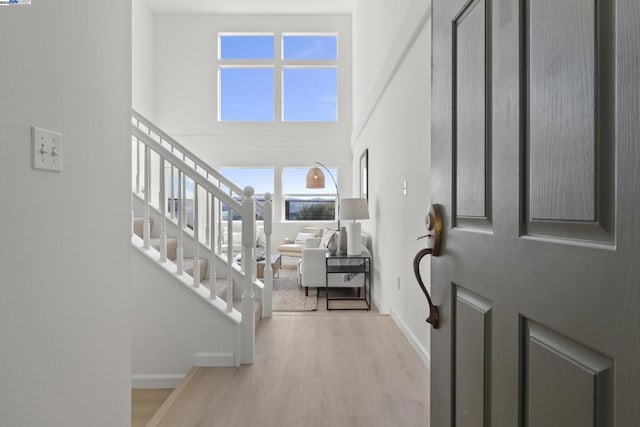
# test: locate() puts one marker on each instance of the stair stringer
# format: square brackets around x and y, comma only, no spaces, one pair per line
[174,324]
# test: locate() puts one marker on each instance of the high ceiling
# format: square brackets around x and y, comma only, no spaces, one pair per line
[253,6]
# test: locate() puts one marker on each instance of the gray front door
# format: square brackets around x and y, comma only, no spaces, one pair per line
[536,161]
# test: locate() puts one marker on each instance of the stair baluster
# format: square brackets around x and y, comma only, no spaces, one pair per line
[146,234]
[180,249]
[173,193]
[212,253]
[162,200]
[230,259]
[196,238]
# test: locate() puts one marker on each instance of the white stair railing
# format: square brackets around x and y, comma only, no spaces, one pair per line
[210,192]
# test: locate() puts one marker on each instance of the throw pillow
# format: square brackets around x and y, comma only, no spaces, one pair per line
[302,237]
[326,236]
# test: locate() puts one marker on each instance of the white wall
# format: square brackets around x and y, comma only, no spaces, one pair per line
[392,77]
[65,320]
[143,58]
[171,325]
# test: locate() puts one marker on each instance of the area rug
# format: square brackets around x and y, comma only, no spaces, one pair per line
[288,296]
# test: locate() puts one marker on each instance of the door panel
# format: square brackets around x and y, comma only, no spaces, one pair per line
[470,112]
[561,101]
[568,118]
[539,298]
[566,384]
[472,355]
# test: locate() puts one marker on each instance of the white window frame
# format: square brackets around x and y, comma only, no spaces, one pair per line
[279,64]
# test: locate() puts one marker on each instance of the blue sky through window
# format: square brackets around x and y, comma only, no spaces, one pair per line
[310,94]
[247,94]
[246,47]
[310,47]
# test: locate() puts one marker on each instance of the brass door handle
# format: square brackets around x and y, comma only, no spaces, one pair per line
[433,223]
[434,315]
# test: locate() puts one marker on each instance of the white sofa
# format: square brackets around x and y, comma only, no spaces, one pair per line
[293,248]
[312,268]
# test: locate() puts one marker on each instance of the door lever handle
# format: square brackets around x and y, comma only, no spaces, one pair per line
[434,314]
[426,236]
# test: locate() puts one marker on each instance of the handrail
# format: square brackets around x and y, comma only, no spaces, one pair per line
[191,156]
[186,169]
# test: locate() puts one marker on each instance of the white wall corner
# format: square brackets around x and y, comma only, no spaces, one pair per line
[156,380]
[422,352]
[214,360]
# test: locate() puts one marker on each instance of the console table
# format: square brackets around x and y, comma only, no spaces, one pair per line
[349,266]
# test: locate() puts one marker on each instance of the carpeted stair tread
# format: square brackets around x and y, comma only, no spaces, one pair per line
[188,267]
[172,246]
[138,226]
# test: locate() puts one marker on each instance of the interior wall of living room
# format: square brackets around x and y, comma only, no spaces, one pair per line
[392,78]
[185,102]
[65,310]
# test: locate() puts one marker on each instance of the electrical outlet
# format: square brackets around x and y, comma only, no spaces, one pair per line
[46,150]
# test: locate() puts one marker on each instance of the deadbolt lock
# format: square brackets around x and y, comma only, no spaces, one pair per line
[433,224]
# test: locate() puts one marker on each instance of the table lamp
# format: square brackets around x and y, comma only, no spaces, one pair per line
[354,209]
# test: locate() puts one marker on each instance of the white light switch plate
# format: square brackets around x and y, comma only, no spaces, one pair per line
[46,149]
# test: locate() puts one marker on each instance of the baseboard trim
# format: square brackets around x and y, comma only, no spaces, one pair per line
[213,360]
[156,381]
[423,354]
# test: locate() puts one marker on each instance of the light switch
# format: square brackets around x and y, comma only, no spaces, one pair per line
[46,147]
[404,187]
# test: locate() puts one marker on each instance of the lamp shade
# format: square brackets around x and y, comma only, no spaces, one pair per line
[354,209]
[315,178]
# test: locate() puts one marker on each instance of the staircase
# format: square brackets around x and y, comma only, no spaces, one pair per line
[184,215]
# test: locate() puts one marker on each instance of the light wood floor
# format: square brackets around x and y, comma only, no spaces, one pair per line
[327,370]
[145,403]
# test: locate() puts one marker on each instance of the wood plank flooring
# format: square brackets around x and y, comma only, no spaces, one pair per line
[323,370]
[145,403]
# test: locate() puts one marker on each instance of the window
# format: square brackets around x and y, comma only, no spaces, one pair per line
[250,73]
[261,179]
[303,204]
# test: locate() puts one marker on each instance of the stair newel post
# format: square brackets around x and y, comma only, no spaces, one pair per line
[267,214]
[212,252]
[163,213]
[196,238]
[249,262]
[229,259]
[180,248]
[147,194]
